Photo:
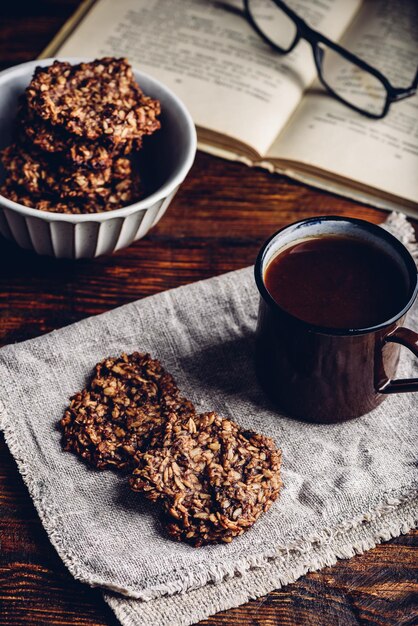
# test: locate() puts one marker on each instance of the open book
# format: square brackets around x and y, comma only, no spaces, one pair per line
[253,105]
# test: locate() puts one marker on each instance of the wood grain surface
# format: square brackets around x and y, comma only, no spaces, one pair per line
[216,223]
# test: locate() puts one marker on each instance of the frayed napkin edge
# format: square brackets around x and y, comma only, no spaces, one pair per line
[184,609]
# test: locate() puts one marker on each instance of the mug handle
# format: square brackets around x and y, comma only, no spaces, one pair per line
[409,339]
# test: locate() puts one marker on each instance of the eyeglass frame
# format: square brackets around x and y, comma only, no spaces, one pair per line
[313,37]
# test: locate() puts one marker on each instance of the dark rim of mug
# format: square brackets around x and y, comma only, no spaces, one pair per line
[325,330]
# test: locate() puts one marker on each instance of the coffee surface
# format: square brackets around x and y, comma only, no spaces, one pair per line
[338,282]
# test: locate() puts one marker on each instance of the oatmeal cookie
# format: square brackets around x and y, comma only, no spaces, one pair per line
[37,174]
[93,100]
[78,152]
[121,410]
[115,195]
[213,478]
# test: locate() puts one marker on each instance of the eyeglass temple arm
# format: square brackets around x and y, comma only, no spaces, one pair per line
[402,93]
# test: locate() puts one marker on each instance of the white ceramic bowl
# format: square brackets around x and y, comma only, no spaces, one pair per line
[169,154]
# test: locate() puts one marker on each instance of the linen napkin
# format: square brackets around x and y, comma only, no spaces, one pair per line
[346,486]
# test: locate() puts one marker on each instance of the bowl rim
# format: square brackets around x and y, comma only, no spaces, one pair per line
[161,194]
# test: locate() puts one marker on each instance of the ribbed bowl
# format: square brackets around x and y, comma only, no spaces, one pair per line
[168,156]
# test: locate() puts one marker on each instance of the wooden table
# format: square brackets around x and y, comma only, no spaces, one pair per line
[216,223]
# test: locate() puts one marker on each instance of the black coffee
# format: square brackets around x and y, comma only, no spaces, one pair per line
[338,282]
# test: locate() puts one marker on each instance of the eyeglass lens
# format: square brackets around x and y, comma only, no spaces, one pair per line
[354,85]
[274,23]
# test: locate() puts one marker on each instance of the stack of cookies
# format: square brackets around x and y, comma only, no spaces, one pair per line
[77,129]
[212,478]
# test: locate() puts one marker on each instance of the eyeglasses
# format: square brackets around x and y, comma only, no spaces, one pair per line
[348,78]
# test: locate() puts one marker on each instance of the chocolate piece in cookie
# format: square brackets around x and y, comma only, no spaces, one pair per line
[120,411]
[214,478]
[93,100]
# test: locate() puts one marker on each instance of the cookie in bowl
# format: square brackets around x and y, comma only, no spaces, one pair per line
[97,105]
[69,189]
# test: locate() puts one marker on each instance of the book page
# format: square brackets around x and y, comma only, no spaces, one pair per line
[233,83]
[382,154]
